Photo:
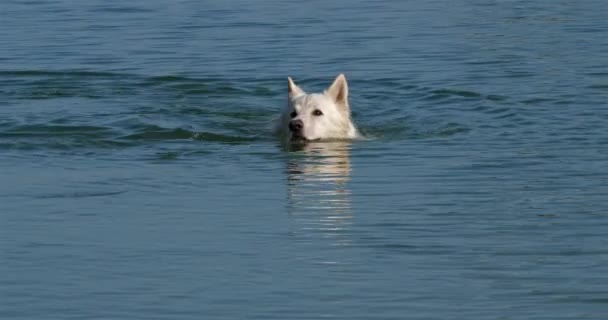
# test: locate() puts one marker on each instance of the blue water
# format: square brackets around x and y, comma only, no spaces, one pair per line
[139,178]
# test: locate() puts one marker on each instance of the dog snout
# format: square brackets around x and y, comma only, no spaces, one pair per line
[296,125]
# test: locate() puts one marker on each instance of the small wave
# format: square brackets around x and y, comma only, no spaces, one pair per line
[446,93]
[81,194]
[207,86]
[42,130]
[62,144]
[157,133]
[59,73]
[599,86]
[52,84]
[214,137]
[451,129]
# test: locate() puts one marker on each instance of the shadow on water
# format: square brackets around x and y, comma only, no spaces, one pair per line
[319,198]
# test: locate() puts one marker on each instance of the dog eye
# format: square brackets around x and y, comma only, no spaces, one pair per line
[317,112]
[293,114]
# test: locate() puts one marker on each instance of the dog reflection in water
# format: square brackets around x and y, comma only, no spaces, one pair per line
[318,195]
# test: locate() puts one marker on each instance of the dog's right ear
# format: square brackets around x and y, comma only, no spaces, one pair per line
[293,89]
[339,90]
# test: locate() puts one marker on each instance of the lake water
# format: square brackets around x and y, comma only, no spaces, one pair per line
[139,179]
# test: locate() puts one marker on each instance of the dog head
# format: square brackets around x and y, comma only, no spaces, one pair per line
[318,116]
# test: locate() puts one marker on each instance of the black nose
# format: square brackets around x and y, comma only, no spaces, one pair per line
[296,125]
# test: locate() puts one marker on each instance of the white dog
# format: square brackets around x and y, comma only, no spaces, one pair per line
[317,116]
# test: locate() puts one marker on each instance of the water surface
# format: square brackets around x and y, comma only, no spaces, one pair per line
[139,179]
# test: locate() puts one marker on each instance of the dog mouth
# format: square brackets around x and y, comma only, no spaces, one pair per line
[297,137]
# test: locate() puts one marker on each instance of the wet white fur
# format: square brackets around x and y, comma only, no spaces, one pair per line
[335,123]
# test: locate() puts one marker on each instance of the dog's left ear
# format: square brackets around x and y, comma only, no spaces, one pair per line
[293,89]
[339,91]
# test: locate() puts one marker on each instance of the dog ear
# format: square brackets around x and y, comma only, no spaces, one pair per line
[293,89]
[339,90]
